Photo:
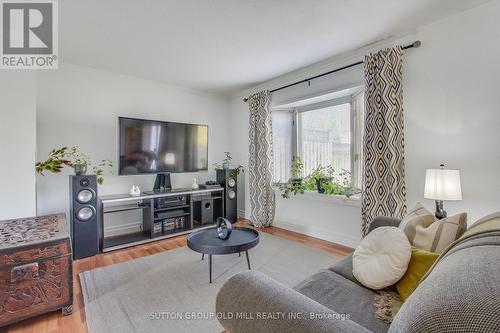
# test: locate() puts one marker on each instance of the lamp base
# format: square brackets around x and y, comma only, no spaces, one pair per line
[440,212]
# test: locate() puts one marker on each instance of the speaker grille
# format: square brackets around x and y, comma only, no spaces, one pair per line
[85,196]
[85,213]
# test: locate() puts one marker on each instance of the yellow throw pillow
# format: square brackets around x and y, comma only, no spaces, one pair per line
[420,263]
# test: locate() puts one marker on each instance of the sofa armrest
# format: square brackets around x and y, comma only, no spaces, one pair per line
[383,221]
[253,302]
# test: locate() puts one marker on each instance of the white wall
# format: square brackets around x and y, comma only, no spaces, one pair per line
[80,106]
[452,116]
[17,144]
[452,108]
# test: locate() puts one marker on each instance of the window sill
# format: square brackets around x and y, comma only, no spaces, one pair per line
[354,201]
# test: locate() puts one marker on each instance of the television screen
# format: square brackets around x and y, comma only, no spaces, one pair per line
[149,146]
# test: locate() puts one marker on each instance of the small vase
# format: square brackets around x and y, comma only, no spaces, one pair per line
[80,169]
[225,166]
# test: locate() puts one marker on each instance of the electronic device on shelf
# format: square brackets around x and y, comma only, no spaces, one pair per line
[168,202]
[210,185]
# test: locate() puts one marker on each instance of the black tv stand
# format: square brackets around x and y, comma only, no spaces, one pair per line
[162,183]
[185,206]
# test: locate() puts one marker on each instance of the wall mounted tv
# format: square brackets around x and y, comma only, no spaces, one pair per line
[150,146]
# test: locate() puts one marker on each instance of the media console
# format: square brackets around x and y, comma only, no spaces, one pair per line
[164,214]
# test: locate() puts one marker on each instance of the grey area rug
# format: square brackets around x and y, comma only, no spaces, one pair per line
[161,292]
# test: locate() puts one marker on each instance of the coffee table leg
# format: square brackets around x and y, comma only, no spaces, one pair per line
[210,264]
[202,256]
[248,259]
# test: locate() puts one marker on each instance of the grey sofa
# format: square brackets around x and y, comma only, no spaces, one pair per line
[462,294]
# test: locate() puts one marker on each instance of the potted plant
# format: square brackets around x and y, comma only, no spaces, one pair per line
[73,158]
[296,183]
[226,165]
[297,170]
[79,161]
[226,161]
[320,176]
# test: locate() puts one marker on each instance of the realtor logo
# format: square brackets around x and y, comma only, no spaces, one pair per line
[29,34]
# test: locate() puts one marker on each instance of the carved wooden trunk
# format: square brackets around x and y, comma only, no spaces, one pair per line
[36,273]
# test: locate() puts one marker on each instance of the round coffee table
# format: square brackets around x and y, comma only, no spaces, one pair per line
[206,242]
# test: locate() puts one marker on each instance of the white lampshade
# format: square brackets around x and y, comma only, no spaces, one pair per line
[442,184]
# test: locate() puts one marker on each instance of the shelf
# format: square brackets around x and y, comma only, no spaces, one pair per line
[173,231]
[114,241]
[122,208]
[170,208]
[171,217]
[117,242]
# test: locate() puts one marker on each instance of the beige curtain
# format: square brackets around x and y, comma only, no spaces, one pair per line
[384,192]
[260,171]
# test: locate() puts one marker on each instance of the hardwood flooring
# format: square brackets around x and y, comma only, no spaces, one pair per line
[55,323]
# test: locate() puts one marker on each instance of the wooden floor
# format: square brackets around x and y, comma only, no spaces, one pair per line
[54,322]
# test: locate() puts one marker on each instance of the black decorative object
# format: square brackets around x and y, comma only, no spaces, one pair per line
[224,228]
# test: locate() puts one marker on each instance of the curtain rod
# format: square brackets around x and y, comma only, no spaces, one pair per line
[415,44]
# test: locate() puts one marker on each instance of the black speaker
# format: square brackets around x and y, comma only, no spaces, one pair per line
[84,216]
[207,211]
[228,180]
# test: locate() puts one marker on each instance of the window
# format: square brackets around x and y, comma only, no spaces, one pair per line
[322,134]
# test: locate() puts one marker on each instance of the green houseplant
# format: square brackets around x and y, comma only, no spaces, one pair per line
[295,184]
[72,157]
[226,165]
[319,177]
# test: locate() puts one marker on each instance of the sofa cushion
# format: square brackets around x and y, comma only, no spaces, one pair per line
[344,297]
[418,216]
[382,257]
[420,263]
[440,234]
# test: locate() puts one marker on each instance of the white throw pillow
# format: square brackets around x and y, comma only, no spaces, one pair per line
[382,257]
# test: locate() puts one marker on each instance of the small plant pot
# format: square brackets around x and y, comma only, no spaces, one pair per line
[296,181]
[225,166]
[320,182]
[80,169]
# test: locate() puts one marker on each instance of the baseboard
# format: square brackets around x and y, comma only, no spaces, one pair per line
[241,213]
[334,237]
[122,229]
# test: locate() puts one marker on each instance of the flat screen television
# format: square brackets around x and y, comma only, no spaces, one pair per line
[150,146]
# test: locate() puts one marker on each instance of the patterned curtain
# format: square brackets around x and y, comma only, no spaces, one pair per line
[383,150]
[261,160]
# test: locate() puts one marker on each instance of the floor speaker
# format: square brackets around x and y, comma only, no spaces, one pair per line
[228,180]
[84,216]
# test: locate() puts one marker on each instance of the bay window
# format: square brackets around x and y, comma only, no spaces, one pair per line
[328,133]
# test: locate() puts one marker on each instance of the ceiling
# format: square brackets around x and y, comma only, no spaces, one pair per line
[224,46]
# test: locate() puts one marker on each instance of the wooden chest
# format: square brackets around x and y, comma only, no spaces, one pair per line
[36,274]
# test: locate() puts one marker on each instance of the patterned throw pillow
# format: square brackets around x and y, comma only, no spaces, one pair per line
[418,216]
[441,233]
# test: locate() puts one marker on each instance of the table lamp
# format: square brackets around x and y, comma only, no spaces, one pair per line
[440,185]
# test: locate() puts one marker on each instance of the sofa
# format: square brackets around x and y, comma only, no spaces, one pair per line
[461,294]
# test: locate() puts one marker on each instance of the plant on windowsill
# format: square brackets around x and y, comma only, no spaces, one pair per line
[296,183]
[319,177]
[322,180]
[74,158]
